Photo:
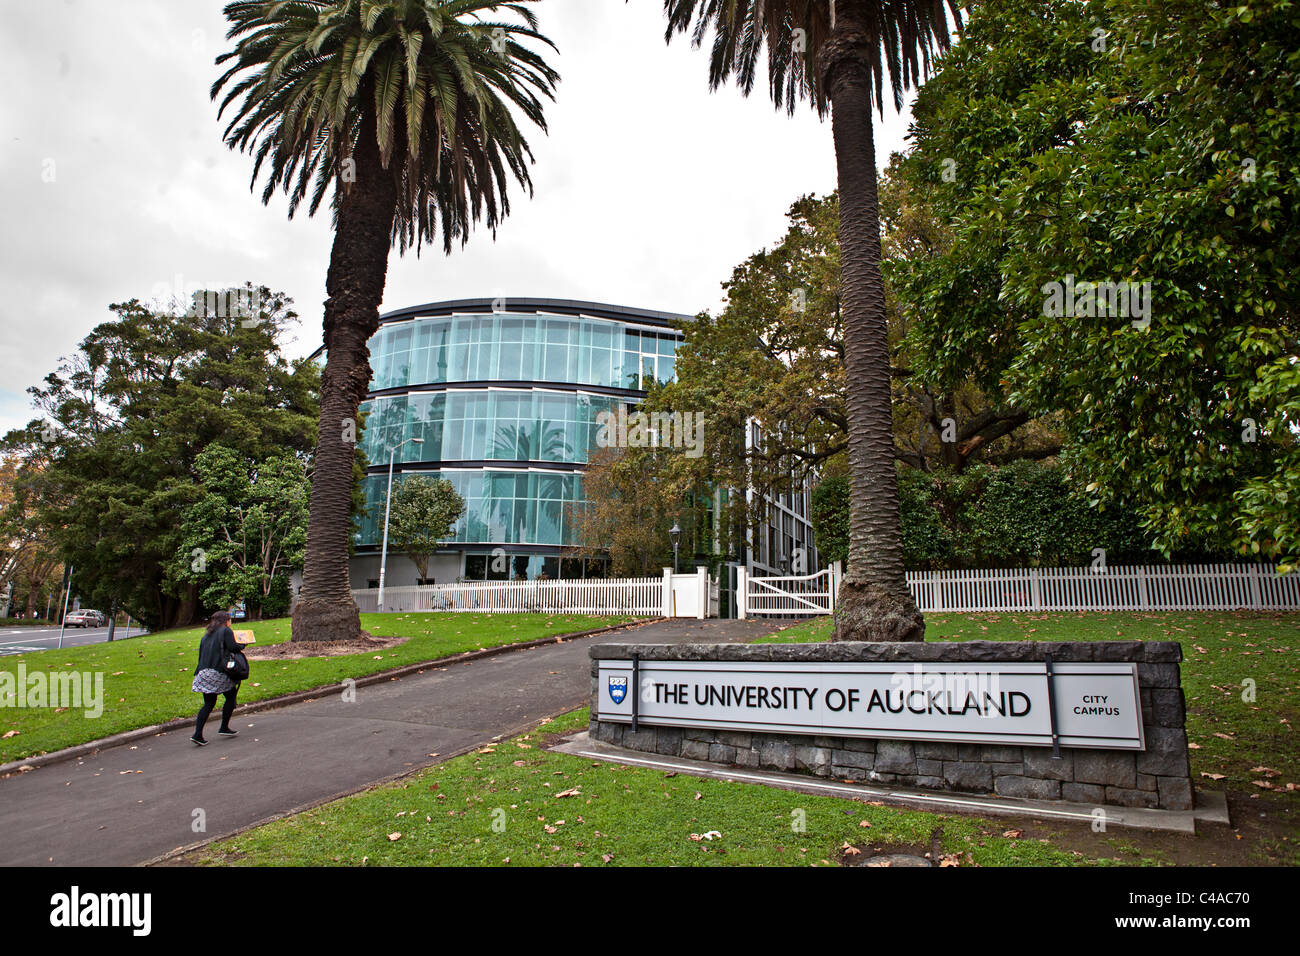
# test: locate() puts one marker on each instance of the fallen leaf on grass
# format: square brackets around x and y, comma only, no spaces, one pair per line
[1224,736]
[1266,771]
[1213,776]
[1013,834]
[850,850]
[575,792]
[394,836]
[864,823]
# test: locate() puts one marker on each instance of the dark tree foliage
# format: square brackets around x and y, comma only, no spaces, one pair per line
[123,421]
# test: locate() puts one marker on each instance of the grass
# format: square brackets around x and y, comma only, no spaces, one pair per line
[513,803]
[1226,654]
[146,680]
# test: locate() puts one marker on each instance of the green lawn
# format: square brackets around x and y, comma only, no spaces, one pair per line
[1222,652]
[553,809]
[146,679]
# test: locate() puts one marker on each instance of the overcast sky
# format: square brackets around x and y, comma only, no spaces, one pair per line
[648,190]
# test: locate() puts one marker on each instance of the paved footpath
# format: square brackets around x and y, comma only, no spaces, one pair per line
[133,802]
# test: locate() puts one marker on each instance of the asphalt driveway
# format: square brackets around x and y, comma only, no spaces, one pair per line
[133,802]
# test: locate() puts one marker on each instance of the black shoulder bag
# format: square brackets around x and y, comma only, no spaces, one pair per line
[236,666]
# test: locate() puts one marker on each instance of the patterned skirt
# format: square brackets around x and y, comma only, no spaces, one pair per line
[209,681]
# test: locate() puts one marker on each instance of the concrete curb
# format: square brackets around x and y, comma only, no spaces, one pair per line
[128,736]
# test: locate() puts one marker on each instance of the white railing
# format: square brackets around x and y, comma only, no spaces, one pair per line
[1179,587]
[634,596]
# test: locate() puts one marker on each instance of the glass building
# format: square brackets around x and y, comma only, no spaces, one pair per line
[505,396]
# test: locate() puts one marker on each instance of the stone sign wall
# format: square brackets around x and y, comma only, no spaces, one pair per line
[1158,776]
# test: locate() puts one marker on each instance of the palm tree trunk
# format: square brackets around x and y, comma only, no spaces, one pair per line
[358,269]
[875,603]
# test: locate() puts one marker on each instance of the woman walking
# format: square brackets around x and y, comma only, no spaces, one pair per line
[210,677]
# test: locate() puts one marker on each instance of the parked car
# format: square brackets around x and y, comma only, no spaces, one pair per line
[85,618]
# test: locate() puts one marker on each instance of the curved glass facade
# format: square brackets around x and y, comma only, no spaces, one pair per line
[513,347]
[516,387]
[502,506]
[490,424]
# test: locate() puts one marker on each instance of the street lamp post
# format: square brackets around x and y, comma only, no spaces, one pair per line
[675,533]
[383,558]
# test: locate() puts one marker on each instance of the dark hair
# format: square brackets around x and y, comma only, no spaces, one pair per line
[220,619]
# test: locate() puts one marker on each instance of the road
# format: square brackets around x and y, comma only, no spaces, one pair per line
[22,640]
[130,803]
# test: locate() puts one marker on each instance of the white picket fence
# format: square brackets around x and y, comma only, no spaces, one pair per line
[1180,587]
[634,596]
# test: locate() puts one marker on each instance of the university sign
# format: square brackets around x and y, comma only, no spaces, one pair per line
[1031,704]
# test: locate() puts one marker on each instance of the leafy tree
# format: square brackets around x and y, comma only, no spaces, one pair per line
[1139,142]
[246,530]
[840,55]
[775,354]
[29,556]
[405,108]
[124,420]
[422,514]
[632,497]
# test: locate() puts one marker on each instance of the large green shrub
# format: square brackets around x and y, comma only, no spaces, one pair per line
[1017,515]
[829,511]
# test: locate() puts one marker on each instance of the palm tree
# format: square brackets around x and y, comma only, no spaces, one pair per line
[404,107]
[836,53]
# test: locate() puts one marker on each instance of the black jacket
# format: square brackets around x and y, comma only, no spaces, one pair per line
[215,648]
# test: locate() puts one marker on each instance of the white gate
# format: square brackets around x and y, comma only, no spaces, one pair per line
[686,595]
[788,596]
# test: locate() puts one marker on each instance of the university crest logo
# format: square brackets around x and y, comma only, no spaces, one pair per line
[617,689]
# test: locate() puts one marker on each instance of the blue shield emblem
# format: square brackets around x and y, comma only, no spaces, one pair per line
[617,689]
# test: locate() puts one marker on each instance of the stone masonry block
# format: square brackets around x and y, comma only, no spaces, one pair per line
[1040,763]
[1109,767]
[895,756]
[1175,793]
[1027,788]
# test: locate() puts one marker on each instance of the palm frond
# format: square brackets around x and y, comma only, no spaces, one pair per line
[446,81]
[900,40]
